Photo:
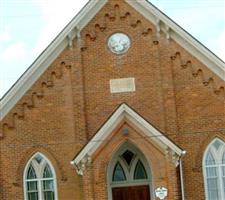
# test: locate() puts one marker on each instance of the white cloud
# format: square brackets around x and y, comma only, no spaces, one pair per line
[15,52]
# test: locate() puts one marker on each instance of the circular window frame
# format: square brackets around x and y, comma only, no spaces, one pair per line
[118,52]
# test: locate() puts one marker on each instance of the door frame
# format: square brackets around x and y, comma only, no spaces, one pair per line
[112,163]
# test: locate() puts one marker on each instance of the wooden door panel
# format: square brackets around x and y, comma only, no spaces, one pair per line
[131,193]
[120,194]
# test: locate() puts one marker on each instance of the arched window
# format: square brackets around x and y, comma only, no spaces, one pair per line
[214,170]
[139,172]
[39,179]
[118,174]
[129,171]
[134,171]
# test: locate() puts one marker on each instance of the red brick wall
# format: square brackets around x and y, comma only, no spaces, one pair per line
[72,99]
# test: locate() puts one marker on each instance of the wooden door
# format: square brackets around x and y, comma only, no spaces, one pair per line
[131,193]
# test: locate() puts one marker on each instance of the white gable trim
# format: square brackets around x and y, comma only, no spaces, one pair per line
[125,112]
[184,39]
[80,21]
[42,63]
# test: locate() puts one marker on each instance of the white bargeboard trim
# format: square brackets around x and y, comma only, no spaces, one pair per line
[124,112]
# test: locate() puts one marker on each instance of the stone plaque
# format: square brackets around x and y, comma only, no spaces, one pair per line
[122,85]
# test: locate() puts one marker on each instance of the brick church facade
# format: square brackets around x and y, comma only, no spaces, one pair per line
[121,103]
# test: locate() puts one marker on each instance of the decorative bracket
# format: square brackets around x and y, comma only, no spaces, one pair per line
[175,159]
[158,27]
[73,33]
[70,40]
[82,165]
[168,30]
[173,156]
[77,31]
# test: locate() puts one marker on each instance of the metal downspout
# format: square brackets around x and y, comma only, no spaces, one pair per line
[181,176]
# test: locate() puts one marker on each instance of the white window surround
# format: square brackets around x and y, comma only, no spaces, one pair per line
[129,175]
[39,170]
[217,168]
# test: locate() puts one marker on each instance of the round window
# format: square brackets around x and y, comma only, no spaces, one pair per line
[119,43]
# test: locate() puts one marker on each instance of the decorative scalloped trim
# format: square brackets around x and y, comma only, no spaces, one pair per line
[91,36]
[206,81]
[30,104]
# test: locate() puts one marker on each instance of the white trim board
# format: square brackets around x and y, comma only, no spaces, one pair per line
[80,21]
[125,112]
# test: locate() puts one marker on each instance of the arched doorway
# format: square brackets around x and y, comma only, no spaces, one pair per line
[129,175]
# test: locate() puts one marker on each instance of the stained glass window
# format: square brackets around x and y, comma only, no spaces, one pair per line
[38,158]
[31,173]
[47,172]
[118,174]
[128,156]
[140,172]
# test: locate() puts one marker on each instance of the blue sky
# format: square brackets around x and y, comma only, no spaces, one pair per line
[28,26]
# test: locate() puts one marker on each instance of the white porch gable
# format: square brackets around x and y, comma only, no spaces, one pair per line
[122,113]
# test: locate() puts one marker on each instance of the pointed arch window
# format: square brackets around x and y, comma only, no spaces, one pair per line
[140,172]
[214,170]
[118,174]
[129,171]
[39,179]
[129,168]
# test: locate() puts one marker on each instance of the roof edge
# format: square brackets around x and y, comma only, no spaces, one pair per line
[148,10]
[38,67]
[183,38]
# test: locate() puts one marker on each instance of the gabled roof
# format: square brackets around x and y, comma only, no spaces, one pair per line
[124,112]
[73,29]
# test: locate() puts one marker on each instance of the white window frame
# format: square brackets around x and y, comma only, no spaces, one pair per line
[39,179]
[218,156]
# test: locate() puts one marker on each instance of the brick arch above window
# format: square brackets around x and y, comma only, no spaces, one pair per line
[60,173]
[202,148]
